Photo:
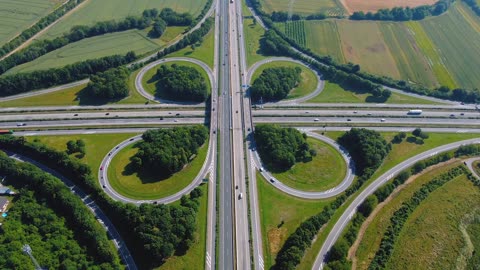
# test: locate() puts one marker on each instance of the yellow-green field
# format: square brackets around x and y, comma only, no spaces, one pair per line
[324,39]
[18,15]
[304,7]
[96,47]
[103,10]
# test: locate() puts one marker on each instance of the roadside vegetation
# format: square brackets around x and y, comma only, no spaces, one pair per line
[253,33]
[202,50]
[275,83]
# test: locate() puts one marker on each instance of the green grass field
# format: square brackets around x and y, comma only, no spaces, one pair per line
[432,230]
[150,84]
[304,7]
[204,52]
[91,48]
[457,37]
[400,152]
[253,33]
[334,93]
[195,255]
[307,85]
[280,215]
[323,38]
[97,145]
[325,171]
[16,16]
[148,187]
[103,10]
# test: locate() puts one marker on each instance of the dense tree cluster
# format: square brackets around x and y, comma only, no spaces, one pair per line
[468,150]
[152,232]
[166,151]
[404,13]
[400,216]
[23,82]
[474,5]
[349,75]
[173,18]
[183,83]
[398,138]
[367,147]
[275,83]
[77,146]
[418,132]
[280,147]
[53,243]
[37,27]
[57,196]
[158,29]
[109,85]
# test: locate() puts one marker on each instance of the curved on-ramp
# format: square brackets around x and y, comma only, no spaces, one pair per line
[352,208]
[109,190]
[141,90]
[346,182]
[318,89]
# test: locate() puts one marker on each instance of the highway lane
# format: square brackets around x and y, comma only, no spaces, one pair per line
[141,90]
[226,256]
[370,189]
[364,113]
[344,184]
[101,217]
[317,91]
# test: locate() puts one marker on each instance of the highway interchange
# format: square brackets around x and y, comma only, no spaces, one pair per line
[231,121]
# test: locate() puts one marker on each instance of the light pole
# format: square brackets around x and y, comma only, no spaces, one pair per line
[28,250]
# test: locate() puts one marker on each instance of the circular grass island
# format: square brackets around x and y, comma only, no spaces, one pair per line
[150,82]
[142,186]
[325,171]
[308,82]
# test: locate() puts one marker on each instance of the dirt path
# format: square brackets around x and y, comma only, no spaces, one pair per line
[353,249]
[28,41]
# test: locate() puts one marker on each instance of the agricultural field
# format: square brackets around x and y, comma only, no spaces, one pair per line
[295,30]
[304,7]
[322,37]
[361,5]
[103,10]
[91,48]
[18,15]
[433,229]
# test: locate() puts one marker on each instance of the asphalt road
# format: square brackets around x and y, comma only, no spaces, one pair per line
[469,163]
[101,217]
[352,207]
[141,90]
[346,182]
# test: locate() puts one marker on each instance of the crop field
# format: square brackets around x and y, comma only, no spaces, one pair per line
[374,5]
[304,7]
[323,38]
[18,15]
[296,30]
[457,37]
[102,10]
[91,48]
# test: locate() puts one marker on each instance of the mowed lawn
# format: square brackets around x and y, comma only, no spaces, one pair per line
[253,33]
[103,10]
[325,171]
[431,237]
[133,186]
[304,7]
[456,35]
[18,15]
[280,215]
[307,85]
[204,52]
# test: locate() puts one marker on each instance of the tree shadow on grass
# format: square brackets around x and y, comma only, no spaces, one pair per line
[146,176]
[415,140]
[84,98]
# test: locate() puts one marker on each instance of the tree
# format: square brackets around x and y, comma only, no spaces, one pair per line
[338,251]
[158,29]
[368,205]
[275,83]
[110,85]
[183,83]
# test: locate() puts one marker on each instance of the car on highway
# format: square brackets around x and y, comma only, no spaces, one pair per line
[161,118]
[349,119]
[131,139]
[452,115]
[75,114]
[316,120]
[21,124]
[382,120]
[240,196]
[462,114]
[260,169]
[104,186]
[101,168]
[272,180]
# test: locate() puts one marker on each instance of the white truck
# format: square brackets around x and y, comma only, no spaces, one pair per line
[415,112]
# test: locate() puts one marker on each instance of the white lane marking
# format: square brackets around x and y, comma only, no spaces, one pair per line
[209,260]
[461,131]
[89,132]
[30,134]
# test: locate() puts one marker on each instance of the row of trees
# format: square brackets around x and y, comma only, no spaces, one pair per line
[281,147]
[275,83]
[294,248]
[351,72]
[400,216]
[474,5]
[53,243]
[152,232]
[109,85]
[37,27]
[23,82]
[57,196]
[166,151]
[282,16]
[160,21]
[404,13]
[179,82]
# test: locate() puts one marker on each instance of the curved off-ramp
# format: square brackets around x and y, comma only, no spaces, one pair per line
[141,90]
[317,91]
[109,190]
[469,163]
[346,182]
